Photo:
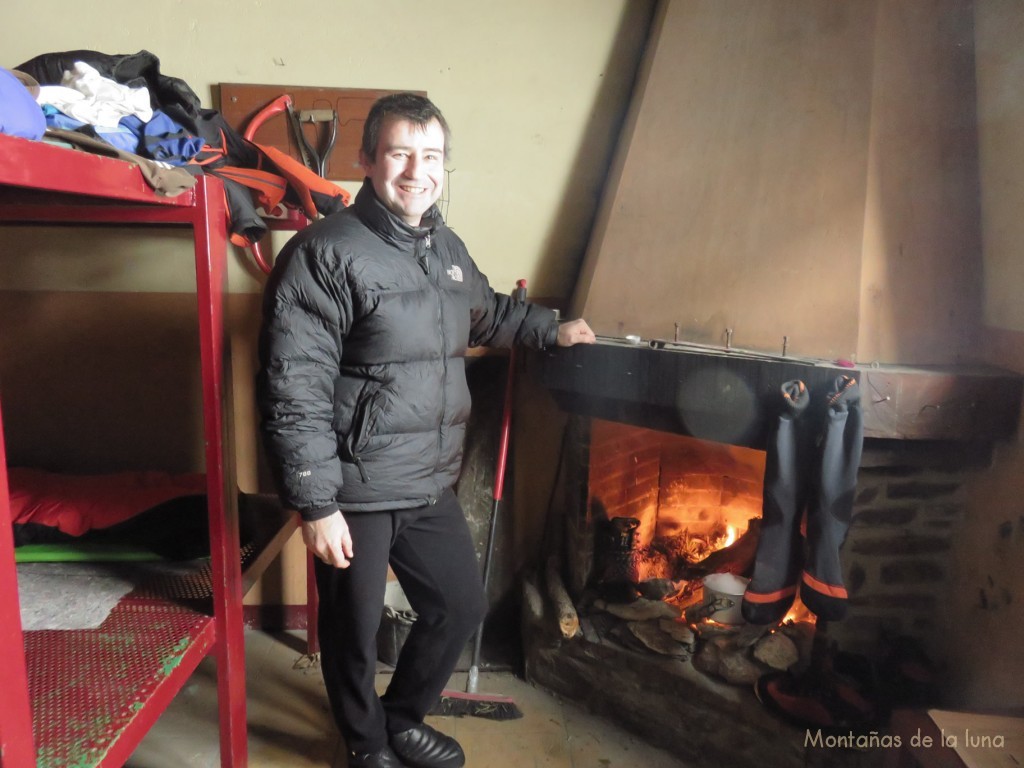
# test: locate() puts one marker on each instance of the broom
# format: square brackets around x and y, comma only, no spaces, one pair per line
[457,703]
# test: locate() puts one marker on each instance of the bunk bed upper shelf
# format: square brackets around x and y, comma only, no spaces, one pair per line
[55,169]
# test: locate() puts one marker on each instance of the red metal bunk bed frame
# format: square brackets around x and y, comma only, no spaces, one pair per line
[42,183]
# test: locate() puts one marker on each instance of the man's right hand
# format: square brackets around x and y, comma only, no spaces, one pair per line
[329,539]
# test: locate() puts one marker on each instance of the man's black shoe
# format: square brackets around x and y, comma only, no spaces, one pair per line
[423,747]
[382,758]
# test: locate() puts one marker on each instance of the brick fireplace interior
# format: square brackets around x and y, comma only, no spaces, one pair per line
[681,499]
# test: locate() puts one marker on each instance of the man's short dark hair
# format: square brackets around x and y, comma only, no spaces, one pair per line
[418,110]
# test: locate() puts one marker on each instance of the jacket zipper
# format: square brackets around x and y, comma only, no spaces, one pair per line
[359,430]
[444,355]
[421,255]
[362,470]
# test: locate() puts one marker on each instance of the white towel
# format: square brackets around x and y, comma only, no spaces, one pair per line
[91,98]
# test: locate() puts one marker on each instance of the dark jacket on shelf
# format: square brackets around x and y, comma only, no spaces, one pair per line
[362,388]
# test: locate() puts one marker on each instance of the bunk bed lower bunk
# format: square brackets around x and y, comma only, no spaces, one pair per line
[86,697]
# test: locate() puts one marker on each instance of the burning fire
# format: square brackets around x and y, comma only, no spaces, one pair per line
[798,612]
[674,510]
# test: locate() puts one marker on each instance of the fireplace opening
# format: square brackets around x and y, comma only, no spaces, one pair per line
[675,522]
[662,504]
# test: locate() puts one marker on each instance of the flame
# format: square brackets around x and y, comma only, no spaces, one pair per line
[730,536]
[797,613]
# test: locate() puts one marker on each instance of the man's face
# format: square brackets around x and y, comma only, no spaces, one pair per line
[408,172]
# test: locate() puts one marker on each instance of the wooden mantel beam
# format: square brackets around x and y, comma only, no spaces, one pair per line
[731,395]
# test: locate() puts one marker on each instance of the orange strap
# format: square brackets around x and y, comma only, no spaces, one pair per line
[303,180]
[269,187]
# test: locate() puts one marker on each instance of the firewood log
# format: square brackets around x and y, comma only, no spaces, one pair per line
[568,620]
[737,558]
[533,603]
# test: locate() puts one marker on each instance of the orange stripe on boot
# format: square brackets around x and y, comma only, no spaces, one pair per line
[770,597]
[832,590]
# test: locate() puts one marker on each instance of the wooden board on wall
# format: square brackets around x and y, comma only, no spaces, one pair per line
[240,102]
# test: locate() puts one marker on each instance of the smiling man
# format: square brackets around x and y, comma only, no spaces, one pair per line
[408,168]
[364,403]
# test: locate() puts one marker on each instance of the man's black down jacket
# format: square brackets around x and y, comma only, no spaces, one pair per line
[362,387]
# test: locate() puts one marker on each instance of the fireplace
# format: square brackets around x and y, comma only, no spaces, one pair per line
[650,507]
[661,491]
[784,209]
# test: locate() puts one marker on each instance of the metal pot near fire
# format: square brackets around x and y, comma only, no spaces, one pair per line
[723,598]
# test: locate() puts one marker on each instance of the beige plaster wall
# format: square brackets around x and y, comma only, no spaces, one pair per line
[534,91]
[921,263]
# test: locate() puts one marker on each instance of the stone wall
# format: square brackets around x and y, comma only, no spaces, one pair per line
[896,558]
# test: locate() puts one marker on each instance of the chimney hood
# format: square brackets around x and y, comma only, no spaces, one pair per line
[786,201]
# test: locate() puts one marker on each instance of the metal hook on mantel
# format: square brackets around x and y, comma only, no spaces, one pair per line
[728,339]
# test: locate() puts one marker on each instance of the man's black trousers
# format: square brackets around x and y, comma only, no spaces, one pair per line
[431,552]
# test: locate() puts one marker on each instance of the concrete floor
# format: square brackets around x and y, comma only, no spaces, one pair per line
[290,725]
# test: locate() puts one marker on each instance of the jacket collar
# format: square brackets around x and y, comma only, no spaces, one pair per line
[387,225]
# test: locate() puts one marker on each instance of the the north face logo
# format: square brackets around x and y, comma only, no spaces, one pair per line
[455,273]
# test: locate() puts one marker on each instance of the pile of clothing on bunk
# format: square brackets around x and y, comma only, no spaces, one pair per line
[118,99]
[124,104]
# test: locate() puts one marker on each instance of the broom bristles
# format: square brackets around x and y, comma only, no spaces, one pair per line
[490,707]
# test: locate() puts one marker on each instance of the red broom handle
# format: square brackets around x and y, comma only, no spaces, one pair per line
[506,414]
